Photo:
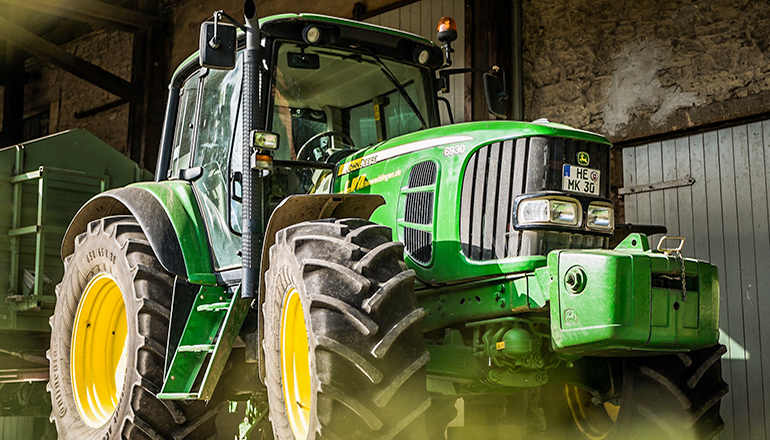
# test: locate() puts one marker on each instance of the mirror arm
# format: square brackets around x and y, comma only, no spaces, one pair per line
[234,22]
[219,15]
[444,76]
[503,95]
[448,108]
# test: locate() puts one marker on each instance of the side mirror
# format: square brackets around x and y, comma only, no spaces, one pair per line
[494,90]
[217,45]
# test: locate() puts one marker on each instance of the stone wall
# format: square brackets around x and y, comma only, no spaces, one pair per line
[635,68]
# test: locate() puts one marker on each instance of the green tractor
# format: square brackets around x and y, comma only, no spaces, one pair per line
[316,245]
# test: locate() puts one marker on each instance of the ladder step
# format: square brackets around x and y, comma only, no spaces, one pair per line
[214,307]
[177,396]
[196,348]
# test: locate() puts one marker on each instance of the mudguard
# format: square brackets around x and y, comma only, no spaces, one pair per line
[170,217]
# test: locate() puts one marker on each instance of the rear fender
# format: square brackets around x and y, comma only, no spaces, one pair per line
[170,217]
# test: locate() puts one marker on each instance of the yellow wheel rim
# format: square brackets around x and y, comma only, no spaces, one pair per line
[98,352]
[593,421]
[295,364]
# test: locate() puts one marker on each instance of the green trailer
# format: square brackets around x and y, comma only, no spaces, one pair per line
[317,245]
[44,182]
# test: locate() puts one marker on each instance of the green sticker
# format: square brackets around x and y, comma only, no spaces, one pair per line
[583,158]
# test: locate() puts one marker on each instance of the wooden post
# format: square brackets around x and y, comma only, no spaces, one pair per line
[488,41]
[150,57]
[13,98]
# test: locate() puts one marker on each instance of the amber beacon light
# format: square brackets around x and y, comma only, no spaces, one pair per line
[447,33]
[447,29]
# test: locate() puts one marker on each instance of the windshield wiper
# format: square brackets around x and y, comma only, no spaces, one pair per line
[388,74]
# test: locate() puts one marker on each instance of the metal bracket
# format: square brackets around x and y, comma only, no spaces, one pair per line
[687,181]
[676,252]
[670,250]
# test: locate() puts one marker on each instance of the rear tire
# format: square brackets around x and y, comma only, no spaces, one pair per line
[672,397]
[116,250]
[363,376]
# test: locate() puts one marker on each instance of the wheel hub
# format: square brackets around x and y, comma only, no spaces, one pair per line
[593,421]
[99,350]
[295,364]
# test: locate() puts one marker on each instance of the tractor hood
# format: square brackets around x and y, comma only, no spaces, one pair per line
[470,133]
[452,194]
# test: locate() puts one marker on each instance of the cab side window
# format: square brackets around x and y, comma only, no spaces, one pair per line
[216,126]
[185,126]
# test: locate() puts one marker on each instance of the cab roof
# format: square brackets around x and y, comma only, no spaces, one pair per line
[273,24]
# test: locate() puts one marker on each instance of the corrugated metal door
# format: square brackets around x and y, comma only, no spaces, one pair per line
[17,428]
[714,189]
[421,18]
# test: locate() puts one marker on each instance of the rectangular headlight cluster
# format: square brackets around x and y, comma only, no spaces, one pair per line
[564,211]
[541,211]
[601,217]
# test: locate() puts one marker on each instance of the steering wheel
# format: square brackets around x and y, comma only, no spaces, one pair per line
[305,148]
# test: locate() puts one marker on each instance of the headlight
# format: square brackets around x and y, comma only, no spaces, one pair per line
[533,211]
[542,211]
[564,213]
[601,217]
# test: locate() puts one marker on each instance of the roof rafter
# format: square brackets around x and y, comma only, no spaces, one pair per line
[93,12]
[39,47]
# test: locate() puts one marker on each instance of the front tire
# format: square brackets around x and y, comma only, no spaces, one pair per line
[343,344]
[669,397]
[108,342]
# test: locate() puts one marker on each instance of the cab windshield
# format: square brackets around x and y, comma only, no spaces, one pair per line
[327,102]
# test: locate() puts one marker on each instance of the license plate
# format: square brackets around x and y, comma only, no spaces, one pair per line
[580,180]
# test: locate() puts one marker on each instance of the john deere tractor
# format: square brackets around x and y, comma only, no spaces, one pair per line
[317,245]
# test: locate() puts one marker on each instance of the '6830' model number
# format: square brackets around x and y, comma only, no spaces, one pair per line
[454,150]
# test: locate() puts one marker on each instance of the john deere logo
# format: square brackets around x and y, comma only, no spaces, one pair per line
[583,158]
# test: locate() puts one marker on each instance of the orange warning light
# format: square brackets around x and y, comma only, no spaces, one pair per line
[447,24]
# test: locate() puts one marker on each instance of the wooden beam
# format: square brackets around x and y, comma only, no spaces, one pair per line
[93,12]
[48,51]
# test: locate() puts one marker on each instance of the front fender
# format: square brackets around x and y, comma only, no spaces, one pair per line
[170,217]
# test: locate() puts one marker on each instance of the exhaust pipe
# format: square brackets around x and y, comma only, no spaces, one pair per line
[253,186]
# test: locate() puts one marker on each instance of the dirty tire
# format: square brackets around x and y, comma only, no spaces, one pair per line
[366,350]
[672,397]
[117,246]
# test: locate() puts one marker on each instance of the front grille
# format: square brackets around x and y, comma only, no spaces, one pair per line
[419,208]
[543,242]
[494,176]
[422,174]
[418,244]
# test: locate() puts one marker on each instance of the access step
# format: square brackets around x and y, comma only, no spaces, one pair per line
[210,330]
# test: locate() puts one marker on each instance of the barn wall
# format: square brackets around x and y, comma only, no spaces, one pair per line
[634,68]
[723,214]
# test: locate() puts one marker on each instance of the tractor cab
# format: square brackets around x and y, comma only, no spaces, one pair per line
[327,88]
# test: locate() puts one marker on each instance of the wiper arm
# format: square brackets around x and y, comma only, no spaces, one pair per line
[388,74]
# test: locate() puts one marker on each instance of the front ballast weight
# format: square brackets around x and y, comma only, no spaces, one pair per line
[632,300]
